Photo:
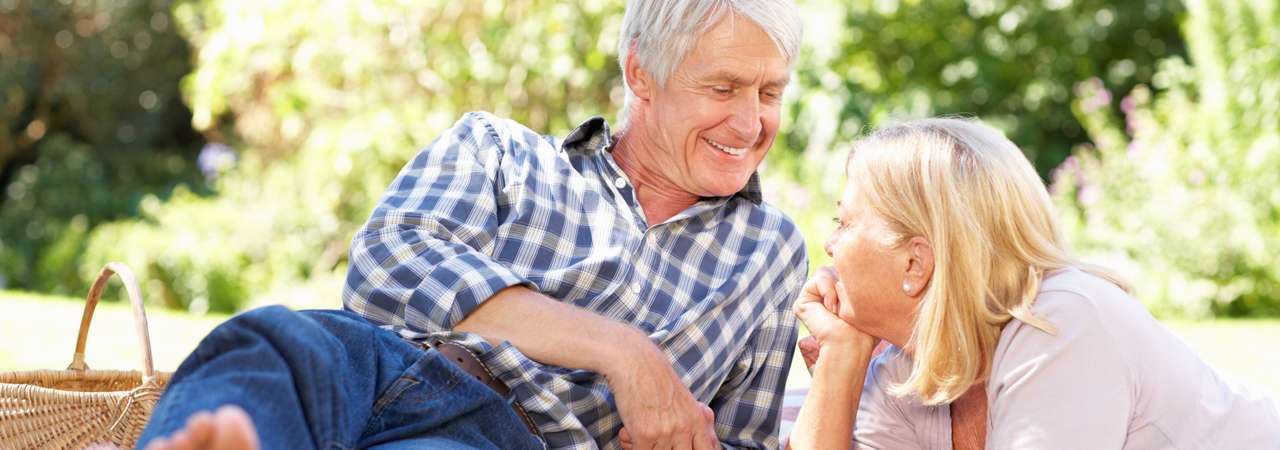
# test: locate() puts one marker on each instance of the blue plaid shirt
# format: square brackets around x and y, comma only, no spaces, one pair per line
[491,204]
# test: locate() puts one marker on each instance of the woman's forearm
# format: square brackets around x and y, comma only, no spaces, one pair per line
[827,416]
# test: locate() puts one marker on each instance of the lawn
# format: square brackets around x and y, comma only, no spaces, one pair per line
[39,332]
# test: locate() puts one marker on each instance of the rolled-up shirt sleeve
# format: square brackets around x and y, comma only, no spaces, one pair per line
[422,261]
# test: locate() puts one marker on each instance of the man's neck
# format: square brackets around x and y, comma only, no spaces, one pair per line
[659,197]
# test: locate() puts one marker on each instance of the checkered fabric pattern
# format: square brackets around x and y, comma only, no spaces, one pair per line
[491,204]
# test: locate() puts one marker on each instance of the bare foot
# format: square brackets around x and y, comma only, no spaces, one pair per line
[227,429]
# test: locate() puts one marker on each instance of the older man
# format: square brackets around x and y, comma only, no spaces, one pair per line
[572,293]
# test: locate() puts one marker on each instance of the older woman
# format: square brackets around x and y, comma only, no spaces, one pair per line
[947,249]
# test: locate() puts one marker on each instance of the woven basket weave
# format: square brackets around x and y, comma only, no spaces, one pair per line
[78,407]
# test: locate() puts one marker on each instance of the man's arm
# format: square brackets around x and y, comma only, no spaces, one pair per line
[423,262]
[656,407]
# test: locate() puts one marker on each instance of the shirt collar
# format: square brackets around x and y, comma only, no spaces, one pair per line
[592,137]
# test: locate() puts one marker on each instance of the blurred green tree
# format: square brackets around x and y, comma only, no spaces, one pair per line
[869,62]
[90,121]
[1012,63]
[1183,191]
[325,102]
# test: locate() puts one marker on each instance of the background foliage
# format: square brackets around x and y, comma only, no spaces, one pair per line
[303,112]
[324,103]
[1183,190]
[90,121]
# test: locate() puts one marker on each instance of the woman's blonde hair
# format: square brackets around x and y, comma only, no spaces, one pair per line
[972,194]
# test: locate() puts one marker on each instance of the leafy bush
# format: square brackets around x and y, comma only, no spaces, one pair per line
[1183,190]
[1010,63]
[90,121]
[326,102]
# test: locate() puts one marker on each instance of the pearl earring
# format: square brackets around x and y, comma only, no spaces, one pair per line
[906,287]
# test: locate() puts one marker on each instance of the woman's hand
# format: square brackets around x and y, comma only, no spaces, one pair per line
[837,355]
[817,308]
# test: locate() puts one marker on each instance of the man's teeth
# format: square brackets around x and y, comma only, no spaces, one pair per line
[735,151]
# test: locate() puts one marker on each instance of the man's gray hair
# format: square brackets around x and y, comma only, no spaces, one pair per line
[663,31]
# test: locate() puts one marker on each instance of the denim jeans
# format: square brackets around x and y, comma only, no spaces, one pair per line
[330,379]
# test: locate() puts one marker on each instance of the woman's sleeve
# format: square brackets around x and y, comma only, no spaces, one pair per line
[888,422]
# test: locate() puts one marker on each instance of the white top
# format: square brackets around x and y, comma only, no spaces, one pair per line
[1112,377]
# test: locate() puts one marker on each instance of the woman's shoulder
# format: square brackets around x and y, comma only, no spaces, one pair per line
[1080,316]
[1071,297]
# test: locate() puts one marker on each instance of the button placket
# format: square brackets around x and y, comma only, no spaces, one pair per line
[637,282]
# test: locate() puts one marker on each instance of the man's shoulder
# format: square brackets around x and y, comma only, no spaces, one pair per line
[506,134]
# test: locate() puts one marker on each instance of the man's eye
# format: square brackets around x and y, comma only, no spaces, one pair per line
[722,89]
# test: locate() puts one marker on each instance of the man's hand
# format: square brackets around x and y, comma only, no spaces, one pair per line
[624,436]
[657,410]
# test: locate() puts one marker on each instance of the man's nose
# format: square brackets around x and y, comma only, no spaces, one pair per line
[746,121]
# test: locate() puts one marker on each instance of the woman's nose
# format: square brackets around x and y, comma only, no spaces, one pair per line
[831,241]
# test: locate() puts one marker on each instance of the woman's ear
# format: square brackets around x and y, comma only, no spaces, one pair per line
[638,79]
[919,267]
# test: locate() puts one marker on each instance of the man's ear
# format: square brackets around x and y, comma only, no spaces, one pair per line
[638,80]
[920,265]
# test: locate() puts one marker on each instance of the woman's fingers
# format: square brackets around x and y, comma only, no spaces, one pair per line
[821,288]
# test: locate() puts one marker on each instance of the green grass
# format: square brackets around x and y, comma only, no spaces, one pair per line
[39,332]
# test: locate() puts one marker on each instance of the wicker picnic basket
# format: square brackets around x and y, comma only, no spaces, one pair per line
[78,407]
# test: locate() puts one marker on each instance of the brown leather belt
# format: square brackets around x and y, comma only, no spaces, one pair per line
[469,363]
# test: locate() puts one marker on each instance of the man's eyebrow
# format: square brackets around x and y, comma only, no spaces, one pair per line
[734,79]
[726,77]
[779,83]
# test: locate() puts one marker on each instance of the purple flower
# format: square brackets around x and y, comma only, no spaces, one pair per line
[1088,194]
[1093,95]
[215,158]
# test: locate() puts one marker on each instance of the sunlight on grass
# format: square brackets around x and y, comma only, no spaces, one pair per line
[39,332]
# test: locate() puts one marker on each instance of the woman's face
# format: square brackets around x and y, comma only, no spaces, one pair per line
[872,270]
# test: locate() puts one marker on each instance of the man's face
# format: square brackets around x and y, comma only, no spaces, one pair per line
[717,115]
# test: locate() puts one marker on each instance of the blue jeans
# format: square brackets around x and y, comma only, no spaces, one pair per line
[330,379]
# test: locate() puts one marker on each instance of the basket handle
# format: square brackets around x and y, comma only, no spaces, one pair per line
[139,317]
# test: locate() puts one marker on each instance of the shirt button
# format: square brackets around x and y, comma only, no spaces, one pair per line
[635,288]
[619,182]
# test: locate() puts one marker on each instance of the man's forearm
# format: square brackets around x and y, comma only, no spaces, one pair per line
[653,402]
[551,332]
